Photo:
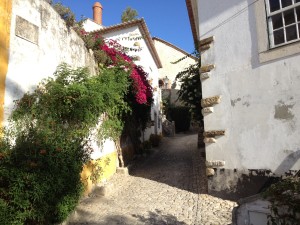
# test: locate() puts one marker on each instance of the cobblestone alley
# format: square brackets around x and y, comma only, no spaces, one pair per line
[168,187]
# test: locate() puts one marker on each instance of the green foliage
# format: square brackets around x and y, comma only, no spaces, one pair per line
[182,117]
[285,201]
[190,92]
[65,13]
[43,151]
[128,15]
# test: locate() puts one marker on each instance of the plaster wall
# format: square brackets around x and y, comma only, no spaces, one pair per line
[260,104]
[35,55]
[90,25]
[147,62]
[168,55]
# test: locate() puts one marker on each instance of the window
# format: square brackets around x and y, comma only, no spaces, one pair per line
[283,18]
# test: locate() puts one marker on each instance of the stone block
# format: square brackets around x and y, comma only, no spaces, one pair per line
[210,172]
[215,163]
[204,76]
[204,48]
[104,190]
[122,170]
[209,140]
[206,41]
[213,133]
[207,68]
[27,30]
[207,110]
[211,101]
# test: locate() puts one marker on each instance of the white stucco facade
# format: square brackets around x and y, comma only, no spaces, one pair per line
[138,47]
[260,98]
[132,38]
[90,25]
[34,56]
[169,54]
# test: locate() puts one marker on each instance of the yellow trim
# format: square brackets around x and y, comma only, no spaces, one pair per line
[108,165]
[5,20]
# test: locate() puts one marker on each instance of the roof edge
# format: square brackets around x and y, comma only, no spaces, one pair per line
[192,19]
[175,47]
[145,33]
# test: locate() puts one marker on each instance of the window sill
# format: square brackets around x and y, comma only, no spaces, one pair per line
[279,52]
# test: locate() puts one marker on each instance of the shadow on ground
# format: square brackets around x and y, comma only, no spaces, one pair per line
[152,218]
[177,163]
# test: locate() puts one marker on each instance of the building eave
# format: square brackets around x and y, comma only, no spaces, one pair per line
[192,17]
[175,47]
[145,33]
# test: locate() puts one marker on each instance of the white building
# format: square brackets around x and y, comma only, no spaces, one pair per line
[170,55]
[134,36]
[250,81]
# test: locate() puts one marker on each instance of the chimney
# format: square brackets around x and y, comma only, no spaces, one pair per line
[97,11]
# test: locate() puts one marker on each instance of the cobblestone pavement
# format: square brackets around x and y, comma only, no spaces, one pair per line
[168,187]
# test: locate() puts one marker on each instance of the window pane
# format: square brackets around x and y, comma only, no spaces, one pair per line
[277,21]
[286,3]
[274,5]
[298,13]
[278,37]
[291,33]
[289,17]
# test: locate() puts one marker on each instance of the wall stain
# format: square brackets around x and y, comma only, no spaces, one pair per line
[246,104]
[283,111]
[233,102]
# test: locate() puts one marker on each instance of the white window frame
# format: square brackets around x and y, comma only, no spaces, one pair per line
[265,51]
[281,11]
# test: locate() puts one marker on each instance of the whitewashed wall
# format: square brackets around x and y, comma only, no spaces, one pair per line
[29,61]
[90,25]
[260,103]
[168,55]
[37,55]
[146,61]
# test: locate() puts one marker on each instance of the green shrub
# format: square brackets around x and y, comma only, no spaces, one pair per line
[285,201]
[40,179]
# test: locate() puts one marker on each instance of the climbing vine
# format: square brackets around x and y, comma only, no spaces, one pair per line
[190,92]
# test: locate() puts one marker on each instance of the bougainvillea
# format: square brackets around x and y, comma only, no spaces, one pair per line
[112,54]
[141,86]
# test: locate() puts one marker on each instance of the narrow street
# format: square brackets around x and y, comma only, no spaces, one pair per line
[167,187]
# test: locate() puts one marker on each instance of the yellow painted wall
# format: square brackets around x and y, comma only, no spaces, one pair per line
[5,20]
[108,165]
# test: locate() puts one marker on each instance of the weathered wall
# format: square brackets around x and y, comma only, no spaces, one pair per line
[40,41]
[107,164]
[148,64]
[259,108]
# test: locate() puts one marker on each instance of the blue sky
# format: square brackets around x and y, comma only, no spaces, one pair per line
[166,19]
